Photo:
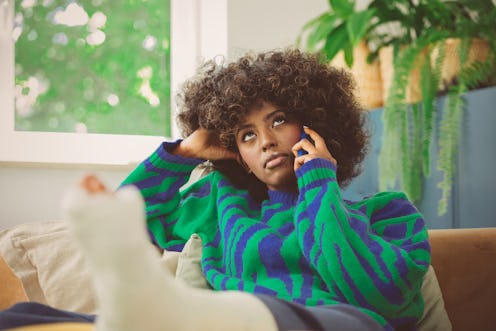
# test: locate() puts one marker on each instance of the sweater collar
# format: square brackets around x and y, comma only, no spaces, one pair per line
[287,198]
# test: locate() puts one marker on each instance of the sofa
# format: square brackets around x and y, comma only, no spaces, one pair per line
[465,264]
[40,262]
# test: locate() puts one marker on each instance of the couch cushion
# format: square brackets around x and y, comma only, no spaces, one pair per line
[189,264]
[435,317]
[48,262]
[45,257]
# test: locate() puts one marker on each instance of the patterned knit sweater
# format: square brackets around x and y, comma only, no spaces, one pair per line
[310,247]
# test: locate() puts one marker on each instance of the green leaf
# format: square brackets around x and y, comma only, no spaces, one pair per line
[386,11]
[342,8]
[430,77]
[311,25]
[449,136]
[336,41]
[348,54]
[318,30]
[359,24]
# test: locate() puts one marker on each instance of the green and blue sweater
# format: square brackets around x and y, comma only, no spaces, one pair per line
[311,247]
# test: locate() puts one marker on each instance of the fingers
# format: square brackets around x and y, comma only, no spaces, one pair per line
[319,142]
[307,145]
[317,149]
[205,144]
[300,160]
[304,144]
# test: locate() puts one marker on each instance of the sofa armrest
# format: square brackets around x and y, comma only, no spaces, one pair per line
[465,264]
[11,289]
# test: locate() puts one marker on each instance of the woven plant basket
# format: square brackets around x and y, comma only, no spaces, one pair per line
[450,70]
[366,75]
[413,90]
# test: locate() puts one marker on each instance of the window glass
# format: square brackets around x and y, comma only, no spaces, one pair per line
[95,66]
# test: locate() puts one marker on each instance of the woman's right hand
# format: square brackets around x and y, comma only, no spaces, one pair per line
[204,144]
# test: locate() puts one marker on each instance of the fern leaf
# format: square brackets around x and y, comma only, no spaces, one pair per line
[449,134]
[391,155]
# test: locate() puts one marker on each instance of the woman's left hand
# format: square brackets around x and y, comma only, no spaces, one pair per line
[316,150]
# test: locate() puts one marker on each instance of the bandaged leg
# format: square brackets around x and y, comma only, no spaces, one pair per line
[134,291]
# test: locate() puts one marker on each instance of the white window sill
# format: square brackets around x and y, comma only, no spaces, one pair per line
[72,148]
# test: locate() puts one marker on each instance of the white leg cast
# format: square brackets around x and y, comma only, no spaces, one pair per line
[134,291]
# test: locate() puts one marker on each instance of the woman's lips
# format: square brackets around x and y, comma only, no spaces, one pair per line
[275,161]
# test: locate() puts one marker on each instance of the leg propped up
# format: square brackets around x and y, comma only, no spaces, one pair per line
[134,291]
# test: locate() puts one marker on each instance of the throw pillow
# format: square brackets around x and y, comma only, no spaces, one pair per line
[435,317]
[48,262]
[189,264]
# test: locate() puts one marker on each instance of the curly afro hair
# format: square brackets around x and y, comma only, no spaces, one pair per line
[303,85]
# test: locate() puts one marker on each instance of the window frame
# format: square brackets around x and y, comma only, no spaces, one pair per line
[198,31]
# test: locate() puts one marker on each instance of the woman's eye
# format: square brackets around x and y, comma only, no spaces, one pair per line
[279,120]
[247,136]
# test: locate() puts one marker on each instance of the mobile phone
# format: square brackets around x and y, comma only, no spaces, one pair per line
[303,135]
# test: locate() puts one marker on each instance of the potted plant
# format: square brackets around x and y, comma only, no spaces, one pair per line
[351,37]
[341,35]
[418,36]
[408,126]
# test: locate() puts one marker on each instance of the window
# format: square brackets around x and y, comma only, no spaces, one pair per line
[92,66]
[99,108]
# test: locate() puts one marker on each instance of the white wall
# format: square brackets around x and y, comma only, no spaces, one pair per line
[31,193]
[263,25]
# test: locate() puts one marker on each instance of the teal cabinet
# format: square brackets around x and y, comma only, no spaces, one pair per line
[473,200]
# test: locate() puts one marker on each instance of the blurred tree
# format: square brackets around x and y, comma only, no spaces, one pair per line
[95,66]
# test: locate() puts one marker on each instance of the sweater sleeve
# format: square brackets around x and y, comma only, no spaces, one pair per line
[372,254]
[172,214]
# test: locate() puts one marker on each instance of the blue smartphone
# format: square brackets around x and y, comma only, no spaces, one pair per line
[304,136]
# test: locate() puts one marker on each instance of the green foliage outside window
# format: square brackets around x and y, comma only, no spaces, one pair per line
[97,66]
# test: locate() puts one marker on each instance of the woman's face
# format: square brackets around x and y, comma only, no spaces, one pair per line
[264,140]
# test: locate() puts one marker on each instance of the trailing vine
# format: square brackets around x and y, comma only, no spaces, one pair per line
[408,129]
[420,31]
[449,132]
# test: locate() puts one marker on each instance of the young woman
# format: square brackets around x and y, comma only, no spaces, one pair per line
[281,248]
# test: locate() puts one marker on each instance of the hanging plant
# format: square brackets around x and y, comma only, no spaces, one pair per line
[449,129]
[408,127]
[418,34]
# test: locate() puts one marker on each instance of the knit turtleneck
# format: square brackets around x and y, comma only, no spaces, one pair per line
[312,247]
[286,198]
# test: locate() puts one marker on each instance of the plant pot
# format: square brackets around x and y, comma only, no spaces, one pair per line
[479,50]
[367,76]
[413,91]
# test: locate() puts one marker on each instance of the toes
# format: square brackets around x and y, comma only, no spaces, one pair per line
[92,184]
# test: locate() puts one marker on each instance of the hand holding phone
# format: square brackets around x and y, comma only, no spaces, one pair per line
[304,135]
[319,149]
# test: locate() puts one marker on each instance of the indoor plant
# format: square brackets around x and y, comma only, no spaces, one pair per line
[417,33]
[408,128]
[342,36]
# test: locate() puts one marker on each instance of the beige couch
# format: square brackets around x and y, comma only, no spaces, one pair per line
[44,265]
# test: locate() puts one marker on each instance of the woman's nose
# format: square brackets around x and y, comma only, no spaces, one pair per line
[268,140]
